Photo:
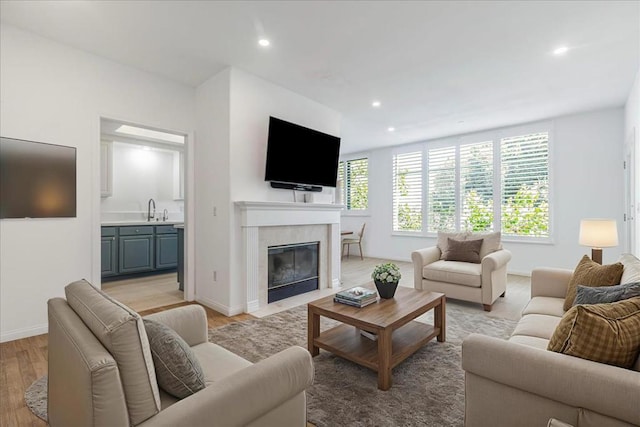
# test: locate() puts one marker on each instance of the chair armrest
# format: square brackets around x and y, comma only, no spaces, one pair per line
[189,321]
[420,258]
[571,380]
[244,396]
[550,282]
[496,260]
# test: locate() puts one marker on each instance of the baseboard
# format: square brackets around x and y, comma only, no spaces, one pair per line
[17,334]
[220,308]
[520,273]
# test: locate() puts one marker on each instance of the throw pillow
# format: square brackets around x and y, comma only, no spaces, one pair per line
[443,243]
[178,370]
[590,273]
[605,333]
[463,250]
[631,271]
[604,294]
[492,242]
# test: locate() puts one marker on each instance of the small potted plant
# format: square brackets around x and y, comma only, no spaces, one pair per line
[386,277]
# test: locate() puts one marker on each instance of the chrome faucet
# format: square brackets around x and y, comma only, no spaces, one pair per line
[165,215]
[151,216]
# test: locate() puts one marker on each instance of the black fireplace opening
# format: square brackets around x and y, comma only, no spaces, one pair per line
[292,270]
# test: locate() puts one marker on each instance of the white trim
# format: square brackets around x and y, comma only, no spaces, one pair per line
[220,308]
[20,333]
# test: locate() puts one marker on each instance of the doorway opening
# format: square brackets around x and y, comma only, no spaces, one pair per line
[142,213]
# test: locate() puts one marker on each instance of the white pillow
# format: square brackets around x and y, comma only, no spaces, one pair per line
[631,271]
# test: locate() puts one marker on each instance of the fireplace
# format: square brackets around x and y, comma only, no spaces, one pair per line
[292,270]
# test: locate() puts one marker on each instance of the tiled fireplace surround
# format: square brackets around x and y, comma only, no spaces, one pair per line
[267,224]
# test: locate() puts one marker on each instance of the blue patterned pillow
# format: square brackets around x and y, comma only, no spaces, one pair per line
[606,294]
[177,369]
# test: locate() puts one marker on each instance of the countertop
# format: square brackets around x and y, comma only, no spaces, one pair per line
[133,222]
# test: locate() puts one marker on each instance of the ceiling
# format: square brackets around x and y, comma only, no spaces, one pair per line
[439,68]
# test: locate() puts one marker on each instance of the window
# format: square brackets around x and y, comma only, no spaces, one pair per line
[354,176]
[491,185]
[476,187]
[441,201]
[407,192]
[525,185]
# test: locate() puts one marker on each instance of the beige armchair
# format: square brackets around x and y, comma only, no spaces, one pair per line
[483,283]
[100,373]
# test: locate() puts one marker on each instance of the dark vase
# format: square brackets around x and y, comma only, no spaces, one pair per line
[385,289]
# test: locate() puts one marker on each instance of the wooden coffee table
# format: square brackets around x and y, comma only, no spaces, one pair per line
[399,335]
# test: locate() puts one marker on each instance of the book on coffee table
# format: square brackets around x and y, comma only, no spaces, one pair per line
[357,294]
[359,304]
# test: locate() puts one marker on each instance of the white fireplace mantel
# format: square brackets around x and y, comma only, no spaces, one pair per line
[255,216]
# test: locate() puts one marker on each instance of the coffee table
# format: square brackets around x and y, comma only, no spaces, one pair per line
[399,335]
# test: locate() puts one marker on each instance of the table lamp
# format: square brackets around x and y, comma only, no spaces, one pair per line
[598,233]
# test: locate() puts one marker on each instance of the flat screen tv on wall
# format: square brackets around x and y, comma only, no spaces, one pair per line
[37,180]
[300,158]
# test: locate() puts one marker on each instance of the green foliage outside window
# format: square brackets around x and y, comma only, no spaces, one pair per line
[409,219]
[527,212]
[357,188]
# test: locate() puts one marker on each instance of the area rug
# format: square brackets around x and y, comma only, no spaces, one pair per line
[427,390]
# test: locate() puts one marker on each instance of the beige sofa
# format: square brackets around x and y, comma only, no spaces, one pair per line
[483,283]
[519,383]
[99,375]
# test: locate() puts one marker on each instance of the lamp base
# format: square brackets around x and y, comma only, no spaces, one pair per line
[596,255]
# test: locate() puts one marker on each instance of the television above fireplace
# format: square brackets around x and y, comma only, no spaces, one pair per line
[300,158]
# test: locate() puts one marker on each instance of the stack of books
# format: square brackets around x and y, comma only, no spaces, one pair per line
[357,297]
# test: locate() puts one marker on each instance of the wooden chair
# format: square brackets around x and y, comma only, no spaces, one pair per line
[348,241]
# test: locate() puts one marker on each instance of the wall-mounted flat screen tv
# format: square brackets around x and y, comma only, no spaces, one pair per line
[299,157]
[37,180]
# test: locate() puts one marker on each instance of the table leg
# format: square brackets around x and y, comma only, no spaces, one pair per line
[313,330]
[385,350]
[439,319]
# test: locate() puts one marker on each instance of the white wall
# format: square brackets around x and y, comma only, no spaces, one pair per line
[56,94]
[236,170]
[632,135]
[586,156]
[138,175]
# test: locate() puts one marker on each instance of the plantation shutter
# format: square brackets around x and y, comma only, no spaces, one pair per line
[407,192]
[356,184]
[476,186]
[441,203]
[525,185]
[340,184]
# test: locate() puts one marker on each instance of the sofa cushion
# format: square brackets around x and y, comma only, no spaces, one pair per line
[605,333]
[177,369]
[460,273]
[122,333]
[605,294]
[537,325]
[491,242]
[217,362]
[443,243]
[631,272]
[536,342]
[463,250]
[545,305]
[590,273]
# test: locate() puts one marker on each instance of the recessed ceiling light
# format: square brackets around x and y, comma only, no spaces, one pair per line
[264,42]
[561,50]
[375,104]
[391,129]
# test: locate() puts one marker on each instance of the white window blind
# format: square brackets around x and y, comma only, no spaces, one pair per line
[441,200]
[525,185]
[354,175]
[476,186]
[407,192]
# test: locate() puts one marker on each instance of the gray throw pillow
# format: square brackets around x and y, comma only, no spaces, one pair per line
[177,369]
[463,250]
[606,294]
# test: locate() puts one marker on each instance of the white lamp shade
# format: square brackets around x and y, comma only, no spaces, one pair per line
[598,233]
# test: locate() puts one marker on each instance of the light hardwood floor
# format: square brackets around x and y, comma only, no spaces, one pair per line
[145,293]
[23,361]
